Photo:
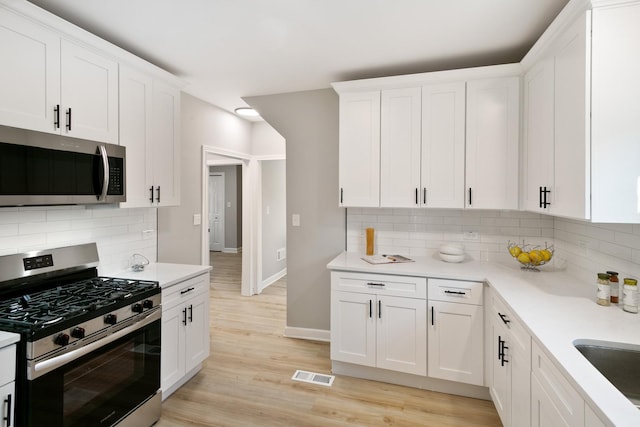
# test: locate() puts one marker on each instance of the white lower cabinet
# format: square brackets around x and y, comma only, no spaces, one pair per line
[455,331]
[554,401]
[379,321]
[7,385]
[510,367]
[185,331]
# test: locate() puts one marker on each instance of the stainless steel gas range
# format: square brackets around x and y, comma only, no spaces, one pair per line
[89,353]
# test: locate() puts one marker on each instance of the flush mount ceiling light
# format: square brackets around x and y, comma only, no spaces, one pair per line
[246,112]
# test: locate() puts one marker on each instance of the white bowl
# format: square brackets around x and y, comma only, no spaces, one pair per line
[451,249]
[452,258]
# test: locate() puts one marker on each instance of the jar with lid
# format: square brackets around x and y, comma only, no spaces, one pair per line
[615,286]
[630,295]
[604,289]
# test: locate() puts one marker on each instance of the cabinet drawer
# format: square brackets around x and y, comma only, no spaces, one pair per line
[8,361]
[380,284]
[563,396]
[183,290]
[459,291]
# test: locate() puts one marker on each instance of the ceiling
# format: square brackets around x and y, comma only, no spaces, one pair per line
[228,49]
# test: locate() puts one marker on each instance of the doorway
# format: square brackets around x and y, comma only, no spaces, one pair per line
[216,211]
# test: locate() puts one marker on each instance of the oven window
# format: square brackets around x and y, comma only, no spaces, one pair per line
[102,387]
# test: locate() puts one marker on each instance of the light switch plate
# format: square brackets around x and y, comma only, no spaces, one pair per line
[197,219]
[295,220]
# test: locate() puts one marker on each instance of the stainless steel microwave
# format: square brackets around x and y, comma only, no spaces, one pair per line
[40,169]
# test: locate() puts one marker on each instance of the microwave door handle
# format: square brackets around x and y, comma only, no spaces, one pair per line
[105,167]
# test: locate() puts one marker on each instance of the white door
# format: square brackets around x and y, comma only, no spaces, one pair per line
[216,211]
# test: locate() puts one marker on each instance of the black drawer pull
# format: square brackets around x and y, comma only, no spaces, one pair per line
[186,291]
[455,292]
[184,316]
[9,410]
[376,284]
[504,318]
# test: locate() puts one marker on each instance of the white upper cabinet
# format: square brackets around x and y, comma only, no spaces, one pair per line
[29,75]
[615,122]
[400,148]
[493,111]
[89,94]
[359,149]
[443,136]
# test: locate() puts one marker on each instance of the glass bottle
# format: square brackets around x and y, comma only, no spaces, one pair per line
[630,298]
[615,286]
[604,289]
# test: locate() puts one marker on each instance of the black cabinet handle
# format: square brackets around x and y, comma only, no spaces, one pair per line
[186,291]
[417,195]
[433,316]
[469,196]
[341,195]
[158,196]
[184,316]
[380,285]
[191,313]
[540,197]
[503,360]
[9,410]
[56,116]
[424,196]
[379,309]
[151,190]
[69,119]
[499,348]
[545,203]
[370,309]
[504,318]
[454,292]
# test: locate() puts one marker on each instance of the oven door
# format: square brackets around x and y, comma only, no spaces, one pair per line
[102,387]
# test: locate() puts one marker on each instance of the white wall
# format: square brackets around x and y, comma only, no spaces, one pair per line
[118,233]
[274,217]
[266,141]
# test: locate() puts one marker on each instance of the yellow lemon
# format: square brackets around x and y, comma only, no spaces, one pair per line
[535,257]
[524,258]
[515,251]
[546,255]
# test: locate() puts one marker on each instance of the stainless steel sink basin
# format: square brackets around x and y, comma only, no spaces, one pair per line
[619,363]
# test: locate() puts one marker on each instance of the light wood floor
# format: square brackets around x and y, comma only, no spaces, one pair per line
[247,379]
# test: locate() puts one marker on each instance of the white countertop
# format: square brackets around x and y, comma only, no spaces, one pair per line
[556,309]
[165,273]
[8,338]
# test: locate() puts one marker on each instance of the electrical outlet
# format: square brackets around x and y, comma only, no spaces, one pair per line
[295,220]
[470,235]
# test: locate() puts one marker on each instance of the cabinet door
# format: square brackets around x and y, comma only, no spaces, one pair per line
[500,375]
[89,94]
[353,336]
[538,137]
[166,144]
[172,363]
[572,109]
[493,113]
[455,342]
[543,411]
[402,335]
[197,331]
[443,129]
[359,149]
[8,403]
[29,75]
[615,122]
[400,148]
[135,134]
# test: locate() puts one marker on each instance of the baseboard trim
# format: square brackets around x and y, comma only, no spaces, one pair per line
[232,250]
[307,334]
[272,279]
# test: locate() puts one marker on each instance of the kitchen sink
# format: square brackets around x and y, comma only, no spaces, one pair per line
[619,363]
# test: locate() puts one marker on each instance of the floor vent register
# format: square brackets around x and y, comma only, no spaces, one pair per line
[313,378]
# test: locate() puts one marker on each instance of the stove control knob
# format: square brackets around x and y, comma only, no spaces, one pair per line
[61,339]
[137,308]
[110,319]
[147,304]
[78,332]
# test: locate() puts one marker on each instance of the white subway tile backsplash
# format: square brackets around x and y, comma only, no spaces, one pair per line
[581,247]
[117,232]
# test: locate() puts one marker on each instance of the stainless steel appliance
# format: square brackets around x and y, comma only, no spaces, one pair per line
[89,353]
[38,168]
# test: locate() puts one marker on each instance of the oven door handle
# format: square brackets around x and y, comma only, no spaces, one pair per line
[41,368]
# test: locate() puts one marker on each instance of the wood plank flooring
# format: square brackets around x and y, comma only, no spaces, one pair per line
[247,379]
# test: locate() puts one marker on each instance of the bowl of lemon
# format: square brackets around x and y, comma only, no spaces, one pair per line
[531,257]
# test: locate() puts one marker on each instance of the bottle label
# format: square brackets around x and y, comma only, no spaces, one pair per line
[630,296]
[604,291]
